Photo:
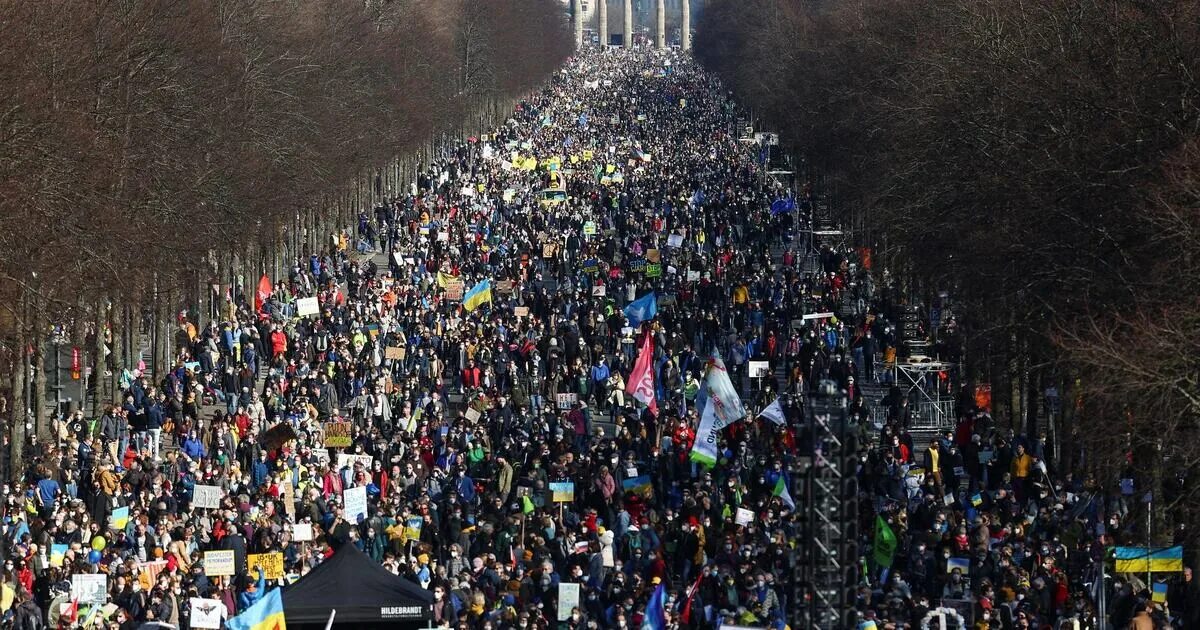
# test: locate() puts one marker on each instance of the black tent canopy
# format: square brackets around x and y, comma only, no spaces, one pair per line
[363,593]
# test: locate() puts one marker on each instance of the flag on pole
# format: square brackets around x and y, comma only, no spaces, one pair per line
[641,379]
[774,412]
[884,547]
[263,293]
[781,491]
[717,391]
[656,615]
[1147,560]
[642,309]
[704,447]
[478,294]
[265,614]
[526,505]
[686,615]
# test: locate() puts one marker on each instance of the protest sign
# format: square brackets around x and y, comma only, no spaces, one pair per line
[90,588]
[302,532]
[562,491]
[565,401]
[271,563]
[743,516]
[119,518]
[307,306]
[394,352]
[206,613]
[568,599]
[347,460]
[207,497]
[338,434]
[219,563]
[355,500]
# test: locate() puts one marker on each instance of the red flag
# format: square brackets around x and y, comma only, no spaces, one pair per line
[641,379]
[686,615]
[71,613]
[263,293]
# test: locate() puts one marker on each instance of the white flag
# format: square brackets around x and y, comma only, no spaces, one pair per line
[774,412]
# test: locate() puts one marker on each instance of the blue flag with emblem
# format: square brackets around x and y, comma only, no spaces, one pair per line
[642,309]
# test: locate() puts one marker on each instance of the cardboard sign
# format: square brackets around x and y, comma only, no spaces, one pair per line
[562,491]
[207,497]
[568,599]
[394,352]
[653,256]
[302,532]
[521,311]
[565,401]
[338,434]
[472,414]
[271,563]
[219,563]
[355,507]
[307,306]
[548,250]
[206,613]
[503,286]
[90,588]
[454,290]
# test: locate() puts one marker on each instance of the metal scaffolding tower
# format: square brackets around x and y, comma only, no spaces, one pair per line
[828,561]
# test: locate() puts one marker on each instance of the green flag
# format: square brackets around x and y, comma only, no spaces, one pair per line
[526,505]
[885,543]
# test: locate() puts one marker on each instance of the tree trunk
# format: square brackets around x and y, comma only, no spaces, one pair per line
[20,382]
[41,424]
[1014,381]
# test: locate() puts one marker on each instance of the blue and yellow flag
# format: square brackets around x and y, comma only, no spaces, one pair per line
[1160,592]
[1144,559]
[478,294]
[265,614]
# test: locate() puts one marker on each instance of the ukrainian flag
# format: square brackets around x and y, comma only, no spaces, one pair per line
[1145,559]
[478,294]
[265,614]
[1159,593]
[444,279]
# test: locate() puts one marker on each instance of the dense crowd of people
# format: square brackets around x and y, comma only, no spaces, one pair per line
[488,362]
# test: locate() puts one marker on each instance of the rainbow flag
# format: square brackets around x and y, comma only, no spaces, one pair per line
[1145,559]
[265,614]
[478,294]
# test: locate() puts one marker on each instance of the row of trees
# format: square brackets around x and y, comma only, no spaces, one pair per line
[1040,160]
[152,148]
